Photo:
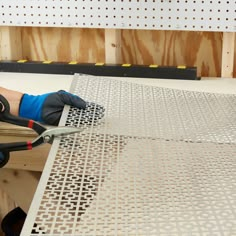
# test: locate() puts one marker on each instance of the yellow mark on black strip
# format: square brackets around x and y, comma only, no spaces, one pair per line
[181,67]
[73,62]
[22,61]
[126,65]
[47,62]
[99,64]
[153,66]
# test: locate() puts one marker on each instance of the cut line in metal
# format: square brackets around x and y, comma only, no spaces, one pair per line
[150,161]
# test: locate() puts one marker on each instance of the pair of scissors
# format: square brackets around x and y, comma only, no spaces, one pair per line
[44,135]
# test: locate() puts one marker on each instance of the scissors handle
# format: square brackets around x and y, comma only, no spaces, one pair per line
[4,158]
[6,148]
[16,146]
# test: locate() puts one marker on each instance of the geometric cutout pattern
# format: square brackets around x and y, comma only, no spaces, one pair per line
[149,161]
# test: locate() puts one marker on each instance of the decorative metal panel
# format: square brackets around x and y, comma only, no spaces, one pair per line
[150,161]
[126,14]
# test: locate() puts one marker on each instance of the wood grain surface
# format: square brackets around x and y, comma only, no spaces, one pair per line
[63,44]
[142,47]
[171,48]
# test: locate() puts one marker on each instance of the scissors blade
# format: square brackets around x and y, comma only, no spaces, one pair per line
[49,135]
[61,131]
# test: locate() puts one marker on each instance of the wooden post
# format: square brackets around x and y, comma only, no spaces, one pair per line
[227,66]
[113,46]
[10,43]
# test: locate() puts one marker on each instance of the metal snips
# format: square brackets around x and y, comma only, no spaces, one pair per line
[45,135]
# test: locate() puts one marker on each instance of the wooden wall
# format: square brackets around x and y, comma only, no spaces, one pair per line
[144,47]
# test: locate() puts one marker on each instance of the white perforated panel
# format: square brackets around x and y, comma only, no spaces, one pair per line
[203,15]
[161,162]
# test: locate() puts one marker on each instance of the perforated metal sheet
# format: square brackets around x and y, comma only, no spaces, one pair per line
[161,14]
[160,162]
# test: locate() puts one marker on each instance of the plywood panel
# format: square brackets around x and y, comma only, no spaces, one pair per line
[167,48]
[10,43]
[201,49]
[228,54]
[63,44]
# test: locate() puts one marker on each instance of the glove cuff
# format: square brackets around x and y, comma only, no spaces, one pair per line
[31,106]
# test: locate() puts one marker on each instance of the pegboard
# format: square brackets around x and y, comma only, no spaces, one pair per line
[194,15]
[159,162]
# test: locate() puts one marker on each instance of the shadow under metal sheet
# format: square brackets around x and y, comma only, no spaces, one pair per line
[160,162]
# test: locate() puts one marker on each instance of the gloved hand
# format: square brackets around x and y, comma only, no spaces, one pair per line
[47,108]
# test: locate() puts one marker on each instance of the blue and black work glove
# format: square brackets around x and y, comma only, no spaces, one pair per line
[47,108]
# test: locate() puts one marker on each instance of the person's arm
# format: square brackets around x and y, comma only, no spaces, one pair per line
[13,97]
[47,108]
